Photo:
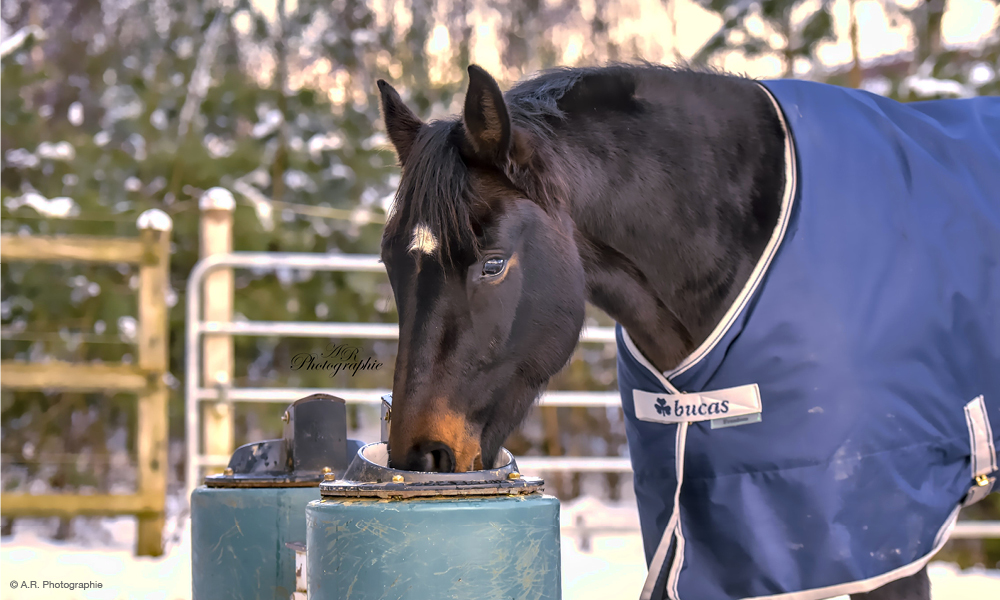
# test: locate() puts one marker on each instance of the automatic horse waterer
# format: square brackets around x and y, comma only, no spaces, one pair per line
[380,532]
[369,531]
[247,522]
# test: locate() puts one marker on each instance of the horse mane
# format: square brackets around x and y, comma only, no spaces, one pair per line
[435,188]
[552,94]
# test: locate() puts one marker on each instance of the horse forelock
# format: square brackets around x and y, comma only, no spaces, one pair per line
[432,212]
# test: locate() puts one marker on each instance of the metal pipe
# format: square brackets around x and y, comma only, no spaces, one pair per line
[367,331]
[585,530]
[526,464]
[308,261]
[976,530]
[369,397]
[192,345]
[963,530]
[575,464]
[372,396]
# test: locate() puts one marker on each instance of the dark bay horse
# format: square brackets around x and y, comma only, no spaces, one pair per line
[652,192]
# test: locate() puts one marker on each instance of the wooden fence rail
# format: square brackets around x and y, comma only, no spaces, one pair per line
[151,251]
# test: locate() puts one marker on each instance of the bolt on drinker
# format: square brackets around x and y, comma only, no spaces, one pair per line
[265,490]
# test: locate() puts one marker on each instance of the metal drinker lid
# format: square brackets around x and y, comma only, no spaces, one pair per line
[369,476]
[314,444]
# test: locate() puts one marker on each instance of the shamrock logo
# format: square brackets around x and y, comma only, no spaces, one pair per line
[661,407]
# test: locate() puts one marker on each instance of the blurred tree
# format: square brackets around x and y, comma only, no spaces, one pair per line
[854,78]
[932,70]
[926,17]
[751,26]
[124,105]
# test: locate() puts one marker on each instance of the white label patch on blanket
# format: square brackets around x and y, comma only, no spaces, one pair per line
[725,408]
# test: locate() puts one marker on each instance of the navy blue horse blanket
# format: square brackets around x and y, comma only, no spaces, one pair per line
[823,439]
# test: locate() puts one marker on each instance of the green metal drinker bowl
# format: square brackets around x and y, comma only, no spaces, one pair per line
[379,532]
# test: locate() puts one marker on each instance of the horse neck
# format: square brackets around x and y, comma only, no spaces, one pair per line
[674,205]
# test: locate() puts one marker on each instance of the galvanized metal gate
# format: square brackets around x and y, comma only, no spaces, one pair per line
[197,392]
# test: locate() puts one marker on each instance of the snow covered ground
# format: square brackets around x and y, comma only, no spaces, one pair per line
[600,567]
[613,566]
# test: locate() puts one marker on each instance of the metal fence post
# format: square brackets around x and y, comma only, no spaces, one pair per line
[217,206]
[153,358]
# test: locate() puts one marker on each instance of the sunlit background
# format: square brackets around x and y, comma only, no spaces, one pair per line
[113,107]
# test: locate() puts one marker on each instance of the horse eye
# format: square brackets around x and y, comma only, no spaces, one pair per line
[493,266]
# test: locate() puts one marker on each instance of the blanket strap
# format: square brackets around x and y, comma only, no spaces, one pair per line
[984,453]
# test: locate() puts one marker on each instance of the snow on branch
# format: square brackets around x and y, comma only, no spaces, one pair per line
[932,87]
[21,36]
[201,77]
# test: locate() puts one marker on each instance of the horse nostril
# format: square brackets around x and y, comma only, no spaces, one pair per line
[435,457]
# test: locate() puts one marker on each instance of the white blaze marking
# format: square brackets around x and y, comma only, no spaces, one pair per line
[423,240]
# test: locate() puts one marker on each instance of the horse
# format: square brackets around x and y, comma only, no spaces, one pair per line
[692,206]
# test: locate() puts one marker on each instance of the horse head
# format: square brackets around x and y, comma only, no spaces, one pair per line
[488,282]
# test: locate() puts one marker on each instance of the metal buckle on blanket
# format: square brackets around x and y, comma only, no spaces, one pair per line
[982,480]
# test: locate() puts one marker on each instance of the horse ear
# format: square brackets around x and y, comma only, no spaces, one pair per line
[487,123]
[400,122]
